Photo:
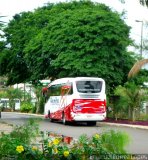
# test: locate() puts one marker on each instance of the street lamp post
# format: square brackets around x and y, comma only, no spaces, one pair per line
[141,46]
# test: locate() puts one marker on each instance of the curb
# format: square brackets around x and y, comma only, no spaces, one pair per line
[31,114]
[122,125]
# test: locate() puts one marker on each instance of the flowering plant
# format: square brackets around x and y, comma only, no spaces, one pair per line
[99,146]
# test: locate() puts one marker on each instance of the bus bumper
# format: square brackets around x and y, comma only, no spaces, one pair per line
[88,117]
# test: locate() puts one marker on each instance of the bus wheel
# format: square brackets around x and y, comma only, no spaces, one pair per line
[91,123]
[64,120]
[49,116]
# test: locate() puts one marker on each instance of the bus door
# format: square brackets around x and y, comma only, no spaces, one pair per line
[66,90]
[54,100]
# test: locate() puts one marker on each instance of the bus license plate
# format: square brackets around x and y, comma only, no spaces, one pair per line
[88,116]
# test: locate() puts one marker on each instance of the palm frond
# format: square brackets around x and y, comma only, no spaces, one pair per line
[136,68]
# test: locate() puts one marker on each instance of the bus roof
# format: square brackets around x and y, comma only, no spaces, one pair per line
[72,79]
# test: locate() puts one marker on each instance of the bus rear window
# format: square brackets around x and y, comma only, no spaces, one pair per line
[89,86]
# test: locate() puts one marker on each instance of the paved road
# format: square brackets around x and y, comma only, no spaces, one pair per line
[139,137]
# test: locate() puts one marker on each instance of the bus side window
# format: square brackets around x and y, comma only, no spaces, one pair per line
[50,91]
[54,90]
[66,89]
[71,90]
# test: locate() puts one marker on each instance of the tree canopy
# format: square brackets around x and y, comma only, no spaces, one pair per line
[67,39]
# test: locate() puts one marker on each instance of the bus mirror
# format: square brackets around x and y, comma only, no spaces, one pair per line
[66,87]
[44,91]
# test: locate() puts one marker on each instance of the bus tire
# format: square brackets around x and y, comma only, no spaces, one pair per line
[64,120]
[50,119]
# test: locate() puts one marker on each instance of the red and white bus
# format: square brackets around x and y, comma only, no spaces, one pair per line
[80,99]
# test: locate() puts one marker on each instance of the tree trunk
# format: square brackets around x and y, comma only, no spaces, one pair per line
[133,115]
[116,116]
[129,113]
[37,107]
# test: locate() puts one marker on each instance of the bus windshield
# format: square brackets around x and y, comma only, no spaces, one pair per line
[89,86]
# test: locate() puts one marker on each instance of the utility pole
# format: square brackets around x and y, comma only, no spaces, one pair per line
[141,45]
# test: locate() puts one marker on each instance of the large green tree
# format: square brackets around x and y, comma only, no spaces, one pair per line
[68,39]
[20,31]
[2,44]
[2,49]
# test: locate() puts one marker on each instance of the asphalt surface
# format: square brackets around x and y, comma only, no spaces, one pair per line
[98,123]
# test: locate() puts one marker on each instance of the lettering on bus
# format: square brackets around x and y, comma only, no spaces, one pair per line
[54,100]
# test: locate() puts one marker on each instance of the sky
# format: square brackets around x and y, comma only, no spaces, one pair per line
[134,10]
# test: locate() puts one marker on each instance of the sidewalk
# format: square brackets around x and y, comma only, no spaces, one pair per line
[6,128]
[121,125]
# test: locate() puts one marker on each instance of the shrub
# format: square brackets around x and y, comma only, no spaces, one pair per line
[115,141]
[21,135]
[26,107]
[104,146]
[143,117]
